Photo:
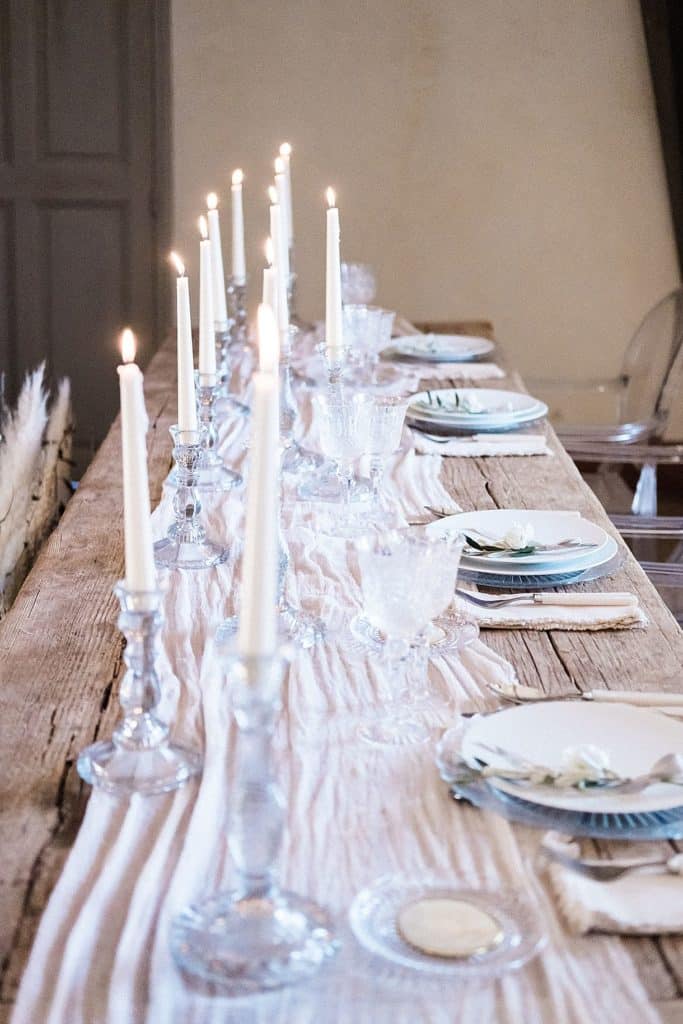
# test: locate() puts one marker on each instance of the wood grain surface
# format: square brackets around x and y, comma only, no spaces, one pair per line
[60,661]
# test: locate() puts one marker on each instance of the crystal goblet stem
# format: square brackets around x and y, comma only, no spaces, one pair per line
[139,757]
[257,937]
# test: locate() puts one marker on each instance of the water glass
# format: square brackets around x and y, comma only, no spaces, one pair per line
[386,427]
[407,579]
[344,423]
[358,282]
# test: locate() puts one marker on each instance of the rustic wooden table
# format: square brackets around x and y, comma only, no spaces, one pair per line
[60,661]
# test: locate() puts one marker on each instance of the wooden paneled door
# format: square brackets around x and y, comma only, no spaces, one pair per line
[84,166]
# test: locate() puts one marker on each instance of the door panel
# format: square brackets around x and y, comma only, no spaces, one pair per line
[90,79]
[80,235]
[86,356]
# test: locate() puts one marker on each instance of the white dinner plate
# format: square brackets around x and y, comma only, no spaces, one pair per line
[439,348]
[499,407]
[634,738]
[549,528]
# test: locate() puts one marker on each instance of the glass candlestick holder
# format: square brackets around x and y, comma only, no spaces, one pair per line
[238,352]
[186,545]
[213,474]
[299,627]
[256,937]
[139,758]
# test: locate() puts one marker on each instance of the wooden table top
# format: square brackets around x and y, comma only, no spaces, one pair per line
[60,662]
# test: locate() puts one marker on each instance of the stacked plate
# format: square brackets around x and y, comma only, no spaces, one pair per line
[473,410]
[632,738]
[439,348]
[563,547]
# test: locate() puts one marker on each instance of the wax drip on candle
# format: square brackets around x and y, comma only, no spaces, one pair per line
[237,177]
[203,227]
[272,195]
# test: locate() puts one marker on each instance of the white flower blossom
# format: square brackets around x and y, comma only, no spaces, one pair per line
[520,535]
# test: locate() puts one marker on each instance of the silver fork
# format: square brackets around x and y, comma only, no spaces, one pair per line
[496,602]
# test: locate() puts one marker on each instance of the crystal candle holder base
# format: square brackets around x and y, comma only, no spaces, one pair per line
[140,757]
[257,937]
[248,945]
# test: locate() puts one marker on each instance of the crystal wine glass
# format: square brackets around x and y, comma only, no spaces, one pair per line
[386,426]
[358,282]
[407,578]
[344,422]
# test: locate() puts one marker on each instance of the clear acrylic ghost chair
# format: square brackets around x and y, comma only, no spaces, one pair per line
[630,410]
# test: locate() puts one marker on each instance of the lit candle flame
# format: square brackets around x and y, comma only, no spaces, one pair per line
[212,201]
[272,194]
[331,197]
[279,165]
[203,229]
[237,177]
[268,343]
[285,149]
[177,263]
[128,345]
[269,251]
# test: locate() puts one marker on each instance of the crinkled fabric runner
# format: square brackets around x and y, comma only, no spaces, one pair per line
[101,955]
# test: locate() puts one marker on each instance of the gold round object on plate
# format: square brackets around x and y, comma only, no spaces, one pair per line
[448,928]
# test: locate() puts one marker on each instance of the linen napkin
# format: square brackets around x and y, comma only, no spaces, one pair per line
[417,371]
[481,445]
[638,903]
[567,617]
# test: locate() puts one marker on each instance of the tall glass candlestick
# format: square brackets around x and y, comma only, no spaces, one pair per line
[186,545]
[139,758]
[257,937]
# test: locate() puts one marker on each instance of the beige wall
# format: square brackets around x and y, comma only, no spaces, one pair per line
[493,158]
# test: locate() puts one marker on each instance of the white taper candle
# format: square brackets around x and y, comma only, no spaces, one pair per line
[207,330]
[220,310]
[334,338]
[269,297]
[139,550]
[280,263]
[239,270]
[187,405]
[257,636]
[286,153]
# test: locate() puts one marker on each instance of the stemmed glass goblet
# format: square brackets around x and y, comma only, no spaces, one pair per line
[344,422]
[407,578]
[386,426]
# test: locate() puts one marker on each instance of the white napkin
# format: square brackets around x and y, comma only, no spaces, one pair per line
[478,445]
[450,371]
[639,903]
[569,617]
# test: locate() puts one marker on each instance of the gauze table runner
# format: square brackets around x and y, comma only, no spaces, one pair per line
[355,812]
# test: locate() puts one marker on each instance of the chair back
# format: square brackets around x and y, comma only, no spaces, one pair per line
[653,358]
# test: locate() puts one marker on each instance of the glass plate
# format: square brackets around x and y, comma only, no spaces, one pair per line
[373,921]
